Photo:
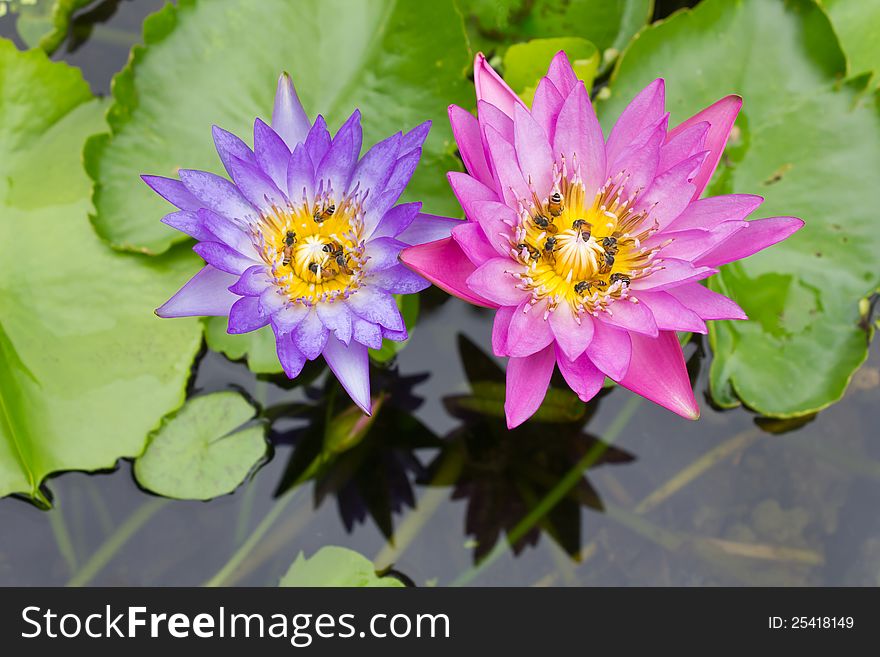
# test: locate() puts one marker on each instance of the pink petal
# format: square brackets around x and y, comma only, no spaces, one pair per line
[657,372]
[760,234]
[466,130]
[691,244]
[489,115]
[561,74]
[491,88]
[645,109]
[545,107]
[507,173]
[581,375]
[670,314]
[707,213]
[672,273]
[720,117]
[494,281]
[578,138]
[630,316]
[571,336]
[671,192]
[446,266]
[639,161]
[470,237]
[527,382]
[683,145]
[533,152]
[610,349]
[497,221]
[500,329]
[706,303]
[205,295]
[468,189]
[529,331]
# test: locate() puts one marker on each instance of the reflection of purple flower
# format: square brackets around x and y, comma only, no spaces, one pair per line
[305,238]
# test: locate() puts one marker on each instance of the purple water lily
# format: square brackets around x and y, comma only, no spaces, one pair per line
[305,238]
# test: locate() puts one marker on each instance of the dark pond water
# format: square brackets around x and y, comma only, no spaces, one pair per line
[726,500]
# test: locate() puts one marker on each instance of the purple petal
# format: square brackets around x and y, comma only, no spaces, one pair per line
[428,228]
[376,306]
[310,336]
[223,258]
[466,131]
[415,138]
[274,301]
[272,153]
[494,280]
[227,232]
[246,316]
[470,237]
[670,314]
[253,281]
[760,234]
[397,182]
[350,364]
[366,333]
[174,192]
[300,175]
[336,317]
[189,223]
[287,318]
[317,142]
[289,118]
[337,165]
[399,280]
[527,382]
[645,109]
[571,335]
[396,220]
[581,375]
[529,330]
[658,372]
[706,303]
[219,195]
[292,360]
[610,350]
[229,146]
[257,187]
[383,252]
[397,336]
[205,295]
[374,168]
[533,152]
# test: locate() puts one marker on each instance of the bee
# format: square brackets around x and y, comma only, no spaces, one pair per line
[287,251]
[534,254]
[337,254]
[554,204]
[544,223]
[584,227]
[314,267]
[623,278]
[582,287]
[609,262]
[549,246]
[609,244]
[324,213]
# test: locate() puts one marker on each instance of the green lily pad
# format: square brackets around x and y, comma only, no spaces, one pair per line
[526,63]
[203,450]
[335,566]
[86,369]
[609,25]
[44,23]
[857,25]
[218,62]
[811,147]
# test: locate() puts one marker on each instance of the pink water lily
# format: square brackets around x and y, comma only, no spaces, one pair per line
[591,249]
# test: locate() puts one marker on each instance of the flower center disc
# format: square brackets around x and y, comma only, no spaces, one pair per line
[315,251]
[581,251]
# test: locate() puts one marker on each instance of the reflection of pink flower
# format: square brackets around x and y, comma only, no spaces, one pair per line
[591,250]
